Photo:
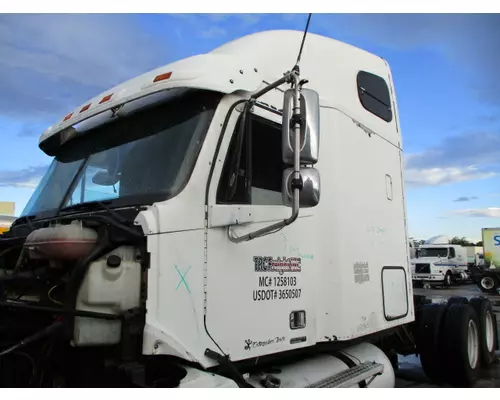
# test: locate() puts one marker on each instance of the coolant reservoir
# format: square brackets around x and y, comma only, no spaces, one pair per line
[112,285]
[61,242]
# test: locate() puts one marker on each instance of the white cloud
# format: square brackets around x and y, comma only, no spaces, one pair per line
[211,26]
[472,148]
[49,63]
[213,32]
[479,212]
[470,41]
[29,184]
[442,176]
[465,198]
[458,158]
[294,17]
[23,178]
[246,19]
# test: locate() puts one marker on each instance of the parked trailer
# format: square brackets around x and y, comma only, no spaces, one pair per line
[182,237]
[487,275]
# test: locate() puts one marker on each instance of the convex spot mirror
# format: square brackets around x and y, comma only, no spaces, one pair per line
[309,131]
[103,178]
[310,193]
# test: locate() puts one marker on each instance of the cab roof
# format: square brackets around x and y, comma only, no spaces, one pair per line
[249,63]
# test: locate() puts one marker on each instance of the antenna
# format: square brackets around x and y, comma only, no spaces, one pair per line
[303,40]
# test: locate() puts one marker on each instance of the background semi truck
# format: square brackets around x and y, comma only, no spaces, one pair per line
[233,219]
[440,263]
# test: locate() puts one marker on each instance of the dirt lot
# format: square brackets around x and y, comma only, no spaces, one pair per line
[410,373]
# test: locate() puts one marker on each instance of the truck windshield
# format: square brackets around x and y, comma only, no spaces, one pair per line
[433,252]
[140,158]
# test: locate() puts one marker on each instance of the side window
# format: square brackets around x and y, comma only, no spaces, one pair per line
[258,179]
[452,252]
[374,95]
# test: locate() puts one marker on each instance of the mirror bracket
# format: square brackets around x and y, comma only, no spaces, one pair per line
[297,183]
[297,119]
[301,109]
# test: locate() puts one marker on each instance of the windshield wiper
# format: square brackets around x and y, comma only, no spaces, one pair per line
[95,205]
[25,219]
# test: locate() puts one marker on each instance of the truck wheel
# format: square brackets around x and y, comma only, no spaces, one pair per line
[487,329]
[488,284]
[457,300]
[427,340]
[460,341]
[447,279]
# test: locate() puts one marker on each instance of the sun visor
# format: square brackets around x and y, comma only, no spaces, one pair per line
[215,72]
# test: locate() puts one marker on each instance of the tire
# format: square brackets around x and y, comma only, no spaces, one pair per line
[488,284]
[460,344]
[479,286]
[427,340]
[487,329]
[447,279]
[457,300]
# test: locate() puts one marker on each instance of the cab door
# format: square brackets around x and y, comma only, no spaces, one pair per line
[259,293]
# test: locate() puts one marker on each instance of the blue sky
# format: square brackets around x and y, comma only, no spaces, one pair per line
[444,68]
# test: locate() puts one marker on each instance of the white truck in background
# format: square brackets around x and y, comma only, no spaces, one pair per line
[439,263]
[182,236]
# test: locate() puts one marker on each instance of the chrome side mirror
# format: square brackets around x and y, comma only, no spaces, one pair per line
[310,193]
[309,132]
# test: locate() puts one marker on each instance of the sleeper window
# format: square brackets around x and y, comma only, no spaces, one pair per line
[374,95]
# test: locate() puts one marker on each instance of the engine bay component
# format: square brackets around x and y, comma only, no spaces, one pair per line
[111,286]
[61,242]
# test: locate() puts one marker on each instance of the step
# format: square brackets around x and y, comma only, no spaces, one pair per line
[350,376]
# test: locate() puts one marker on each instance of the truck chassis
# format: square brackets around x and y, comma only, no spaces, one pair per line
[454,341]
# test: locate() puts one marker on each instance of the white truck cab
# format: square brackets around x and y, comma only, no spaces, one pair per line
[440,263]
[195,229]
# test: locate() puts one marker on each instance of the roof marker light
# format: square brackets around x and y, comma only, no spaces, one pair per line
[106,98]
[162,77]
[85,108]
[68,116]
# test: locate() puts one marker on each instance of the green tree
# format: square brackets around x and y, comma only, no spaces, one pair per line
[461,241]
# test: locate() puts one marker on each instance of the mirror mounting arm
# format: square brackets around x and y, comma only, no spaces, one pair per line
[287,78]
[297,183]
[296,119]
